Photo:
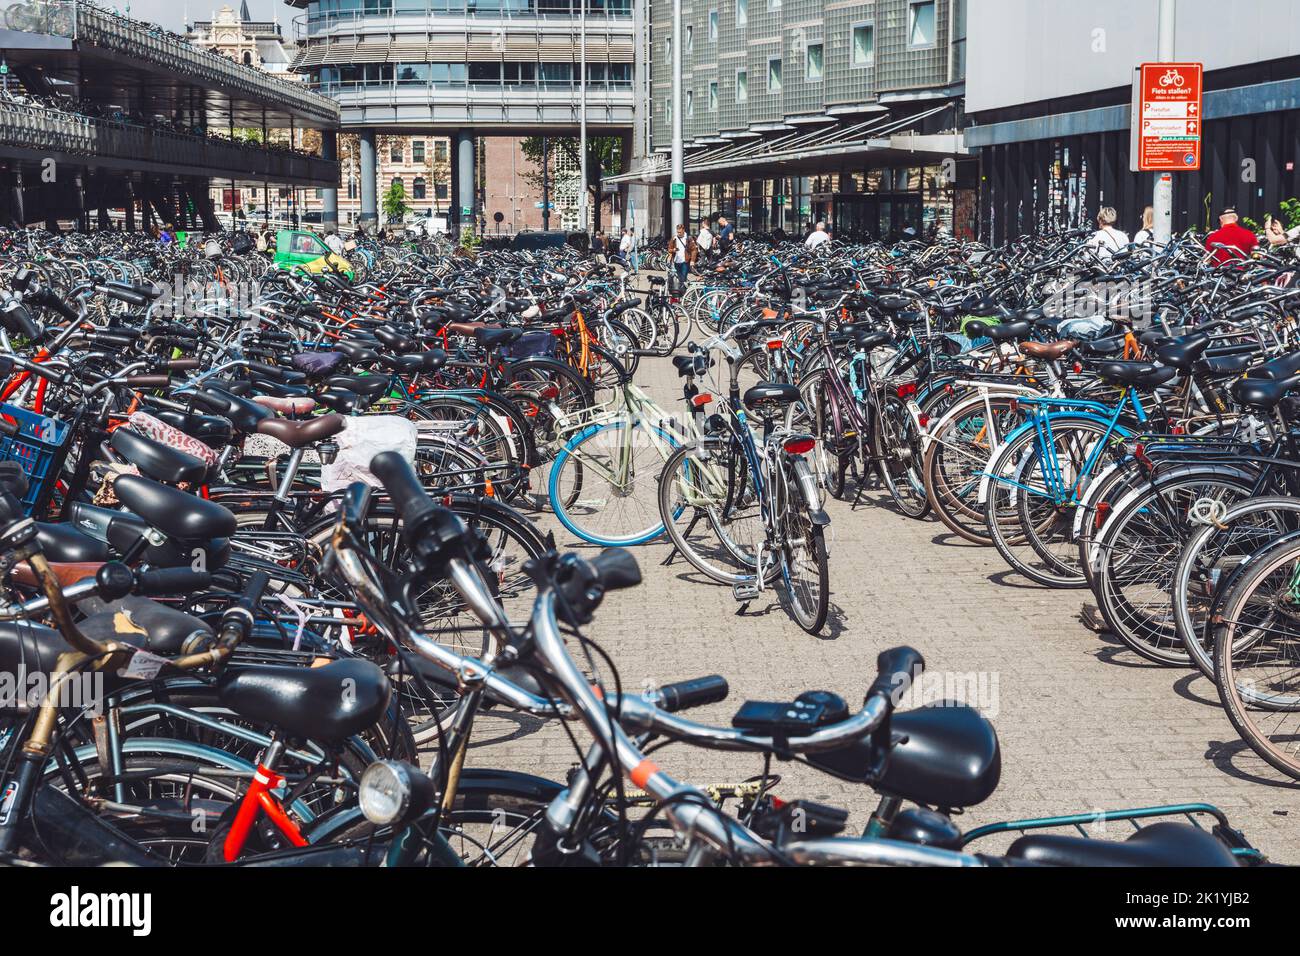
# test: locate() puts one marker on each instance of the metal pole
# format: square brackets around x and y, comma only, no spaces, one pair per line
[679,167]
[582,119]
[1162,200]
[546,184]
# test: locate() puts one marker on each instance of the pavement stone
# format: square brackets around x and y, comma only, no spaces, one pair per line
[1084,724]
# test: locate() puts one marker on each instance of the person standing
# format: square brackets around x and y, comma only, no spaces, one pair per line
[681,252]
[704,243]
[726,234]
[1107,240]
[1147,234]
[626,247]
[1231,240]
[817,237]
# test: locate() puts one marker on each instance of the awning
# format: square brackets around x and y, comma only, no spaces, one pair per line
[801,149]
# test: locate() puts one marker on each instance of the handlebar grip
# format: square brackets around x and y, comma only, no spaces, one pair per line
[686,694]
[129,296]
[111,339]
[161,582]
[895,670]
[52,301]
[184,365]
[617,569]
[356,503]
[403,487]
[257,583]
[148,381]
[269,371]
[19,321]
[213,403]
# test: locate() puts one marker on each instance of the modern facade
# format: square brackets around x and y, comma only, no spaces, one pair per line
[105,119]
[796,111]
[468,70]
[1049,88]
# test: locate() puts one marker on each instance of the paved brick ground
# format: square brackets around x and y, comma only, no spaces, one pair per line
[1084,724]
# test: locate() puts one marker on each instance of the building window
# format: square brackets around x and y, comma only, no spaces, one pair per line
[668,110]
[417,150]
[668,51]
[713,96]
[920,24]
[774,75]
[713,26]
[813,63]
[396,153]
[742,85]
[440,191]
[690,103]
[864,44]
[690,39]
[417,188]
[397,181]
[742,13]
[440,151]
[774,4]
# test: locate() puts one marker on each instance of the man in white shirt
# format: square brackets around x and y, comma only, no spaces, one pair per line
[1107,240]
[335,242]
[818,236]
[704,241]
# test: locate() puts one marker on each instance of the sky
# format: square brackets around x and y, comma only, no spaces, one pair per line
[172,13]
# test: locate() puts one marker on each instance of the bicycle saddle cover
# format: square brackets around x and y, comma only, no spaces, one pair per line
[1160,844]
[173,512]
[945,755]
[156,460]
[326,703]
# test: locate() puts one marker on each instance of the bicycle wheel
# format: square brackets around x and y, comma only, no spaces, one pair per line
[958,450]
[711,515]
[1030,503]
[898,457]
[805,570]
[617,503]
[1210,557]
[1256,659]
[1138,551]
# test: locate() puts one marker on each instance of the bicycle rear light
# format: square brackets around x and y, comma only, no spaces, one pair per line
[800,444]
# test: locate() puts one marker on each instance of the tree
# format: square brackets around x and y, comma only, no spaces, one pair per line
[395,202]
[604,156]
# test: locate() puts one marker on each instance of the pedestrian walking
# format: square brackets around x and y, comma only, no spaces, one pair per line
[682,250]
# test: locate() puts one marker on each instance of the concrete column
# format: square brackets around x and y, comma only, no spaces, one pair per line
[329,211]
[463,178]
[369,218]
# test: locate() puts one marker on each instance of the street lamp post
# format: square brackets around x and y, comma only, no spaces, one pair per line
[679,175]
[582,118]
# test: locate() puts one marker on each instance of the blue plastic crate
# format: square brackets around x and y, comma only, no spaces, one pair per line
[40,446]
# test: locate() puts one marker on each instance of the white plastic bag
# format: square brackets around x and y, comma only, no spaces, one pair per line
[364,438]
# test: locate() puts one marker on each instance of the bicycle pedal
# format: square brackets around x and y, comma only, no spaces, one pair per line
[744,591]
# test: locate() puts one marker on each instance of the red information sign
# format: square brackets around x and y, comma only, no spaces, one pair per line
[1167,116]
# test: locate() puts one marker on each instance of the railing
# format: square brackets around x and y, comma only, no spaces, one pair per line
[106,30]
[46,131]
[309,25]
[570,87]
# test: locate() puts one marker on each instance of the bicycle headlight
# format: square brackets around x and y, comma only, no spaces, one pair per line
[392,792]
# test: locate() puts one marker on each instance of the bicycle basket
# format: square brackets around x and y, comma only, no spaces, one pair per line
[40,447]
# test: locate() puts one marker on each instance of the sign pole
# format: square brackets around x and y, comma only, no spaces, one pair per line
[678,167]
[1163,199]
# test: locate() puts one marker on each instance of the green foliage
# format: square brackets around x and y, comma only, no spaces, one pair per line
[395,207]
[1290,212]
